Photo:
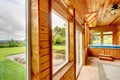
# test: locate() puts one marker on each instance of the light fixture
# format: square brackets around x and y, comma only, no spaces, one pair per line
[114,8]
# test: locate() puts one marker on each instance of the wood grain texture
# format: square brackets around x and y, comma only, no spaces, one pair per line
[87,35]
[116,36]
[115,53]
[105,16]
[59,7]
[71,36]
[35,40]
[40,39]
[44,39]
[65,73]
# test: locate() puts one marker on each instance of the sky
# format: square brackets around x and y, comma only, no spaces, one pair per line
[12,19]
[57,20]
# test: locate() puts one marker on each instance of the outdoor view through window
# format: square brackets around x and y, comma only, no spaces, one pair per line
[12,40]
[59,41]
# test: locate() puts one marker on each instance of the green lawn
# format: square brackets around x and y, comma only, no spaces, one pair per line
[57,47]
[10,70]
[8,51]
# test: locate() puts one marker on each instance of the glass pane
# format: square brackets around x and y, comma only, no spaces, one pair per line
[59,41]
[78,51]
[96,40]
[12,40]
[107,39]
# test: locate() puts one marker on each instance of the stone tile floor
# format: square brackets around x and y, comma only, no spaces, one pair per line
[90,70]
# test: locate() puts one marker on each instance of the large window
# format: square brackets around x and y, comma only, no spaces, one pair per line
[59,41]
[78,51]
[101,38]
[96,38]
[12,40]
[107,37]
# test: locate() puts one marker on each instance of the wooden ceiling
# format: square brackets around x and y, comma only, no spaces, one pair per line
[105,14]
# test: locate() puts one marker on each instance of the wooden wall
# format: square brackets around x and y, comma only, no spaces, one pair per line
[116,36]
[87,35]
[86,41]
[40,37]
[69,72]
[114,28]
[69,75]
[115,53]
[71,40]
[44,9]
[41,44]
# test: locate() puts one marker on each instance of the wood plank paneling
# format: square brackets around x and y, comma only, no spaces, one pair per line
[44,38]
[44,59]
[87,34]
[116,36]
[69,75]
[45,66]
[44,44]
[44,19]
[115,53]
[44,30]
[71,36]
[103,28]
[47,77]
[44,74]
[44,51]
[59,7]
[96,51]
[44,6]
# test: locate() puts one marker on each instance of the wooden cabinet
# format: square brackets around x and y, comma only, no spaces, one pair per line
[95,51]
[115,53]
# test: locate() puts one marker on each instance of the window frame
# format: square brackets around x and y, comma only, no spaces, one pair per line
[78,66]
[111,34]
[67,44]
[28,40]
[102,34]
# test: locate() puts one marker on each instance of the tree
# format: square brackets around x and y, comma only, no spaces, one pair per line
[62,32]
[59,31]
[58,35]
[13,43]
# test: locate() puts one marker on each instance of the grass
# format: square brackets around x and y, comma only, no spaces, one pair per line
[9,51]
[10,70]
[58,47]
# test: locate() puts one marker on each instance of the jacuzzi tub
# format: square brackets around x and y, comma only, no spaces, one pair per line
[103,46]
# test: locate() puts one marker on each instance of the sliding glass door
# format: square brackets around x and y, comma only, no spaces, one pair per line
[78,51]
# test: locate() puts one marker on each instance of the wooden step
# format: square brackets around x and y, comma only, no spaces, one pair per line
[104,55]
[106,58]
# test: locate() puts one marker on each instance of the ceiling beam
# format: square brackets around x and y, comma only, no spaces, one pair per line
[103,28]
[60,8]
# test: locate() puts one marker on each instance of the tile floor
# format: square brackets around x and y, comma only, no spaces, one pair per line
[90,70]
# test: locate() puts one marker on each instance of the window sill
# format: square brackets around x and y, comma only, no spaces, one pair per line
[62,71]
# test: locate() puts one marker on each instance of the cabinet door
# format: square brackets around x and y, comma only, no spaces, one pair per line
[114,52]
[117,55]
[96,51]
